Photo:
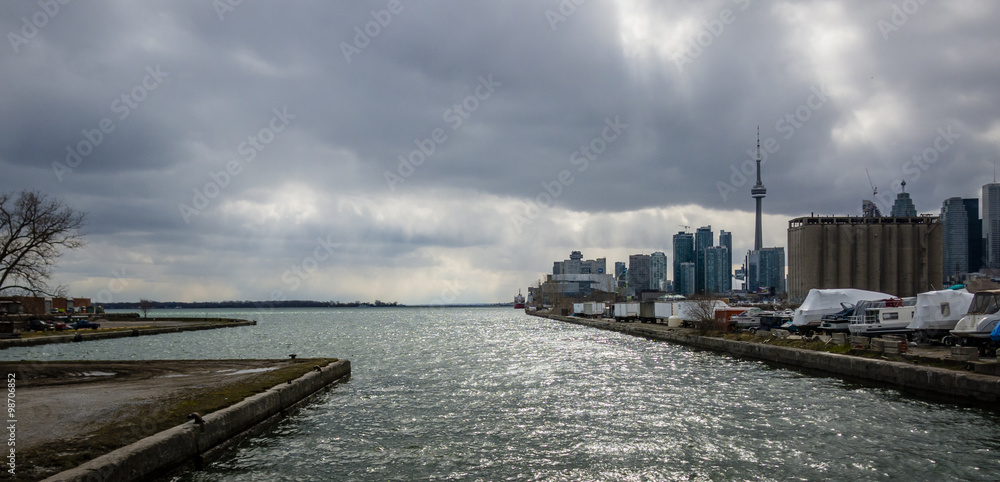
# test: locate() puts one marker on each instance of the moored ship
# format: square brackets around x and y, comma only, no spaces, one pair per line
[519,301]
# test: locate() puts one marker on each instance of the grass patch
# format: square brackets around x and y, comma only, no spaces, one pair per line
[42,334]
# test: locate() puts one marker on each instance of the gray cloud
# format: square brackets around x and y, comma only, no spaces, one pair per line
[691,81]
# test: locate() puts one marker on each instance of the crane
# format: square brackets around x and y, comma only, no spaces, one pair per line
[685,227]
[874,189]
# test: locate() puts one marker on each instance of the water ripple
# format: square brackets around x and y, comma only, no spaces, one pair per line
[491,394]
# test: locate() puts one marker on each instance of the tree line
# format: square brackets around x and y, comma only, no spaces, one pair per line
[246,304]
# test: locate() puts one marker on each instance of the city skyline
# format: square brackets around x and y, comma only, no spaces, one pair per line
[447,153]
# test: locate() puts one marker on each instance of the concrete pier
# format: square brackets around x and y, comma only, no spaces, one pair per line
[194,442]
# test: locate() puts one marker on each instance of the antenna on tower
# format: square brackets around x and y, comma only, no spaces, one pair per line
[875,189]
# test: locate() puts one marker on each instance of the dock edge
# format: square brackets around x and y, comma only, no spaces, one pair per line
[189,444]
[942,383]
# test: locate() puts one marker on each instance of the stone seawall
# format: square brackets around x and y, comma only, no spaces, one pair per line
[90,335]
[953,385]
[192,444]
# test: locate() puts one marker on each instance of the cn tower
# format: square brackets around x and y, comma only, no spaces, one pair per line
[757,192]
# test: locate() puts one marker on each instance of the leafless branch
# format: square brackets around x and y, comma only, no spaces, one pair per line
[34,232]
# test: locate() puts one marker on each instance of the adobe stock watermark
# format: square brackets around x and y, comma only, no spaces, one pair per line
[918,164]
[563,11]
[299,272]
[225,7]
[249,149]
[787,125]
[11,456]
[455,117]
[122,105]
[449,294]
[116,285]
[582,159]
[900,16]
[31,26]
[364,35]
[710,31]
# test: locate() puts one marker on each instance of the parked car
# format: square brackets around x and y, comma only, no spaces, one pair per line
[60,325]
[39,325]
[82,324]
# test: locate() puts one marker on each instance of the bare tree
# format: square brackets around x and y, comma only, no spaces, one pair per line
[34,230]
[704,313]
[144,306]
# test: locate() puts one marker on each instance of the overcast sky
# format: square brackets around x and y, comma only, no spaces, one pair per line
[450,151]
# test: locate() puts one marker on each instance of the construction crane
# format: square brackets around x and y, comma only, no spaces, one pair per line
[869,208]
[685,227]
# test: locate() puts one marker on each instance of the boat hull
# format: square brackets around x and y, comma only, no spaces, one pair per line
[976,326]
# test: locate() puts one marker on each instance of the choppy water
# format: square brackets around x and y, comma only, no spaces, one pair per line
[492,394]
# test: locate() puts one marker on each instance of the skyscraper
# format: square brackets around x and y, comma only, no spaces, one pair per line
[955,242]
[684,283]
[658,271]
[638,273]
[716,275]
[757,192]
[771,270]
[753,271]
[703,238]
[726,241]
[903,207]
[683,253]
[975,234]
[991,224]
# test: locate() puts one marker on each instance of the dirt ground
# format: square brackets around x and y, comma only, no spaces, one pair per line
[73,404]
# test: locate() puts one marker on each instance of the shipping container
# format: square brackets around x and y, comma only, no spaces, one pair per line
[626,311]
[647,311]
[663,310]
[593,309]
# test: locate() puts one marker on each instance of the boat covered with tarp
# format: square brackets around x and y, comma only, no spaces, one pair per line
[821,302]
[937,312]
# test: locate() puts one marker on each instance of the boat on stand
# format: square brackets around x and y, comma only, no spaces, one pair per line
[938,312]
[890,316]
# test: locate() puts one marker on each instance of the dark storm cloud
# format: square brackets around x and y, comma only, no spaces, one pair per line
[495,101]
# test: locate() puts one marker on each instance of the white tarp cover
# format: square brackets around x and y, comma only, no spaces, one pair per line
[824,302]
[940,310]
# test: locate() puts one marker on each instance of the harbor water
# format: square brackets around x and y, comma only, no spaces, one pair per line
[494,394]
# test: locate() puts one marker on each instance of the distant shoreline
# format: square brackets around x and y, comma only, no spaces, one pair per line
[258,305]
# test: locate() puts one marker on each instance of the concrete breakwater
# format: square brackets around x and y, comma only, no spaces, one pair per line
[195,442]
[183,324]
[953,385]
